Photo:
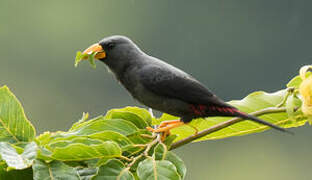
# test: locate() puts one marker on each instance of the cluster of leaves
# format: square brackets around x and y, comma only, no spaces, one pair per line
[114,146]
[117,145]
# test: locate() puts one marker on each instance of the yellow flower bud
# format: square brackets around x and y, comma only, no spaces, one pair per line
[305,90]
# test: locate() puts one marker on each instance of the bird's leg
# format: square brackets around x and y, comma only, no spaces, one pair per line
[165,123]
[165,127]
[163,134]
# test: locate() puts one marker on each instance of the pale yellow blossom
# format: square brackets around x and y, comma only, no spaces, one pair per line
[305,90]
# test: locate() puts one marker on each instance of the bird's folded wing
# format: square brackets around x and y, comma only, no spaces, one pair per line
[177,84]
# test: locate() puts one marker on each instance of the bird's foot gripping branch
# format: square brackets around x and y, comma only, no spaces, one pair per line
[118,145]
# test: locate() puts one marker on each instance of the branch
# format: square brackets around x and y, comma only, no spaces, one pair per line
[145,153]
[224,125]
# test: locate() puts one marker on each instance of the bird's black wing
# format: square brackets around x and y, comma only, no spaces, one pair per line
[171,82]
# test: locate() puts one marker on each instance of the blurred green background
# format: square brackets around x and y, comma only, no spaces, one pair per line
[233,47]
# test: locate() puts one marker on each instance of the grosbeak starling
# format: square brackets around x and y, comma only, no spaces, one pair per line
[162,86]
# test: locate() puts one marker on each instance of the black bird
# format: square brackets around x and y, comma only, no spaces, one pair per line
[162,86]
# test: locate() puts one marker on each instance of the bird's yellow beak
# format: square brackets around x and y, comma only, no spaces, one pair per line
[100,53]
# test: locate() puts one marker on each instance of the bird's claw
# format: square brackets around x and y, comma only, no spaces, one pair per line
[164,134]
[165,128]
[150,129]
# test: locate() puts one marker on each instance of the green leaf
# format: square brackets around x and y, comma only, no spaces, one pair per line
[137,137]
[80,151]
[81,123]
[43,138]
[113,170]
[82,140]
[296,81]
[141,112]
[118,125]
[55,170]
[160,151]
[86,173]
[102,161]
[170,139]
[19,149]
[134,167]
[292,102]
[14,126]
[128,116]
[25,174]
[44,154]
[91,163]
[179,164]
[80,57]
[113,136]
[46,137]
[98,137]
[91,60]
[131,150]
[150,169]
[63,139]
[83,119]
[15,160]
[253,102]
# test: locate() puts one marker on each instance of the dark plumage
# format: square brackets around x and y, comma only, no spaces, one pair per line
[162,86]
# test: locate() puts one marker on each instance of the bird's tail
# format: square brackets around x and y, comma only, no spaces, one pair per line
[253,118]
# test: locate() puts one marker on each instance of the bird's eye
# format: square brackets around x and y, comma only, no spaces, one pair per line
[110,45]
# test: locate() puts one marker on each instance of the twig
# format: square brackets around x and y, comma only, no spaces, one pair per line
[224,125]
[135,160]
[145,153]
[125,158]
[147,136]
[149,146]
[290,91]
[139,145]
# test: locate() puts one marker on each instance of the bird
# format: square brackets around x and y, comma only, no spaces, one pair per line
[161,86]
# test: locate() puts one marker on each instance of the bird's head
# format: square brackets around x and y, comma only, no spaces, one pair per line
[114,50]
